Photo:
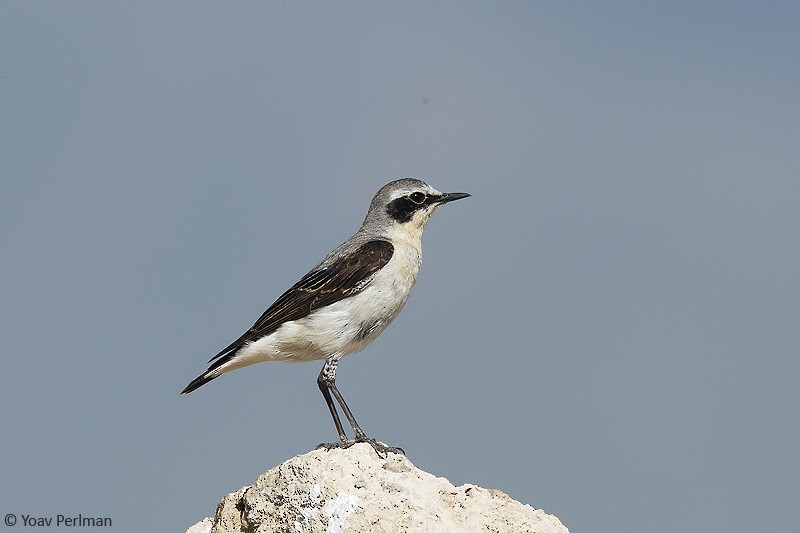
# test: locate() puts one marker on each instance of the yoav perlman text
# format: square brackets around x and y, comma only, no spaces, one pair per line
[66,521]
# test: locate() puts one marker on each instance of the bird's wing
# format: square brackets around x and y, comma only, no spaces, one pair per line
[320,287]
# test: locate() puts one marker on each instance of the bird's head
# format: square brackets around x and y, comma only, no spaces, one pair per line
[406,205]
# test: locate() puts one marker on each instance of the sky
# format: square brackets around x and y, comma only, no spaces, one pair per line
[606,330]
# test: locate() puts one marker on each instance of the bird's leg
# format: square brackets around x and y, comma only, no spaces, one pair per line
[350,418]
[323,387]
[327,384]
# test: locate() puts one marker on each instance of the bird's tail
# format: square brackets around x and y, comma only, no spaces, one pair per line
[201,380]
[222,362]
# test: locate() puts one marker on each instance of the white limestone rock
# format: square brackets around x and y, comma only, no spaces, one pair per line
[203,526]
[354,490]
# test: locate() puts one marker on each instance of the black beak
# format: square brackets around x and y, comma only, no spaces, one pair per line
[450,196]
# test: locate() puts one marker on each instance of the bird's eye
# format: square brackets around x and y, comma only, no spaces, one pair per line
[417,197]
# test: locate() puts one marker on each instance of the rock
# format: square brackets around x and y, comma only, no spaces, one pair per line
[203,526]
[354,490]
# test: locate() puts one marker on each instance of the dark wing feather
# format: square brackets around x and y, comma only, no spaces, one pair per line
[318,288]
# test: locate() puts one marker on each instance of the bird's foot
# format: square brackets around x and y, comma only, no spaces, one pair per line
[380,448]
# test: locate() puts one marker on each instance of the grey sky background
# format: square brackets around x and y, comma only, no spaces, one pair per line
[608,328]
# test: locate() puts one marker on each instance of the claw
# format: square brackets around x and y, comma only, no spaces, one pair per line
[381,449]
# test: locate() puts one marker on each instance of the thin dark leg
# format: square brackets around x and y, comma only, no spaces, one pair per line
[327,384]
[346,410]
[323,387]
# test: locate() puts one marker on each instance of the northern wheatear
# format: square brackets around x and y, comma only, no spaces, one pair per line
[347,300]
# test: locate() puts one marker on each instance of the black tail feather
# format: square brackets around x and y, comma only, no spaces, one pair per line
[199,381]
[221,358]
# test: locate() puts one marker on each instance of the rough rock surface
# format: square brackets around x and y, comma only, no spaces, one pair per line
[354,490]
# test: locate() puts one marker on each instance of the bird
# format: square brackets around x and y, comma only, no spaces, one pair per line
[346,301]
